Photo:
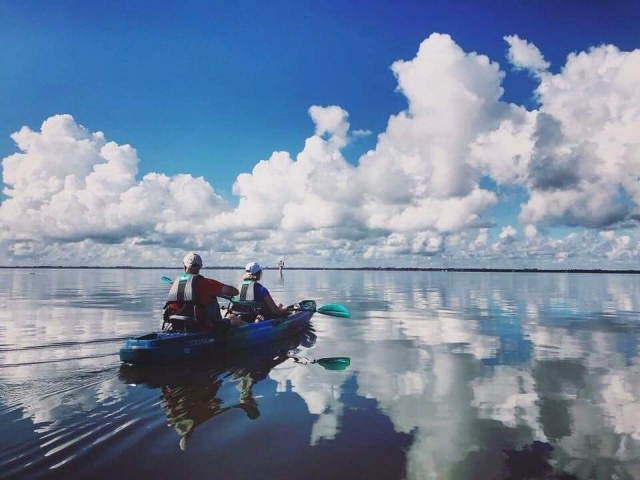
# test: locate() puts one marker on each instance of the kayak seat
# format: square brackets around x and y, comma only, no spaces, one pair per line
[183,323]
[247,310]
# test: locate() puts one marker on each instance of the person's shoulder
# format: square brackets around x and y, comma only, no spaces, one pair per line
[210,281]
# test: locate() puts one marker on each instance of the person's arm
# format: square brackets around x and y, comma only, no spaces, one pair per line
[229,291]
[217,288]
[277,309]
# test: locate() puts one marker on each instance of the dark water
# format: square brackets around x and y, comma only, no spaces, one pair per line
[452,376]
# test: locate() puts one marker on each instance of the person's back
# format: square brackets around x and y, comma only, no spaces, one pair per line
[251,290]
[193,297]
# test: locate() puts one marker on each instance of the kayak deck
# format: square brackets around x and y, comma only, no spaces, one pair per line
[172,346]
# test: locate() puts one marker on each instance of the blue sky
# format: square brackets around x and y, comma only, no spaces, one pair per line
[211,88]
[217,84]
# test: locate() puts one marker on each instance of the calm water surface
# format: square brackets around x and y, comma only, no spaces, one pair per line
[452,376]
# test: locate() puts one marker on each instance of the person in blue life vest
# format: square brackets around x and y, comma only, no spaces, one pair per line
[252,290]
[193,295]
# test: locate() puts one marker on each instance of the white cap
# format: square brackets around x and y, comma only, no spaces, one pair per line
[192,260]
[253,268]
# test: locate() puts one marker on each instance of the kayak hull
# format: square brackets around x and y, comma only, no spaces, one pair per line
[170,346]
[258,359]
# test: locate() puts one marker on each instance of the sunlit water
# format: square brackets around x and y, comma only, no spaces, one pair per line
[453,375]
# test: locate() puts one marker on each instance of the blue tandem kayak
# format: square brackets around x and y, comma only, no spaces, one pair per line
[172,346]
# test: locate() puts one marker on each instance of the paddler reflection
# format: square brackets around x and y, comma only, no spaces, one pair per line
[188,406]
[189,393]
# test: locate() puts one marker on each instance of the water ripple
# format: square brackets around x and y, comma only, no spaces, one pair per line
[79,441]
[449,371]
[7,348]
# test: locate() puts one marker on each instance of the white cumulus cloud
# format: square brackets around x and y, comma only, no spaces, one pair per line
[525,55]
[430,188]
[68,184]
[585,165]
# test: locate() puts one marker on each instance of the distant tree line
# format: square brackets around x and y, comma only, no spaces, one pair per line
[391,269]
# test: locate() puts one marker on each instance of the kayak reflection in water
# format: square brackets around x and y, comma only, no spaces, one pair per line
[189,393]
[188,406]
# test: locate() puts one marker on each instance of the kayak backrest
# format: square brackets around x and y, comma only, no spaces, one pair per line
[246,304]
[247,310]
[183,323]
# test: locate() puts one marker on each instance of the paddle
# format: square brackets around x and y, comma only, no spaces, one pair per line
[334,310]
[333,363]
[328,363]
[331,309]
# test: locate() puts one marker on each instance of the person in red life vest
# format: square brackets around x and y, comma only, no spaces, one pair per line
[192,295]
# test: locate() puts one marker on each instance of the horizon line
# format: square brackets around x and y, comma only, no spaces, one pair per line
[414,269]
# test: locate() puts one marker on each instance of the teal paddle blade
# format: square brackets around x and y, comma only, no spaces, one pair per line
[334,310]
[166,280]
[334,363]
